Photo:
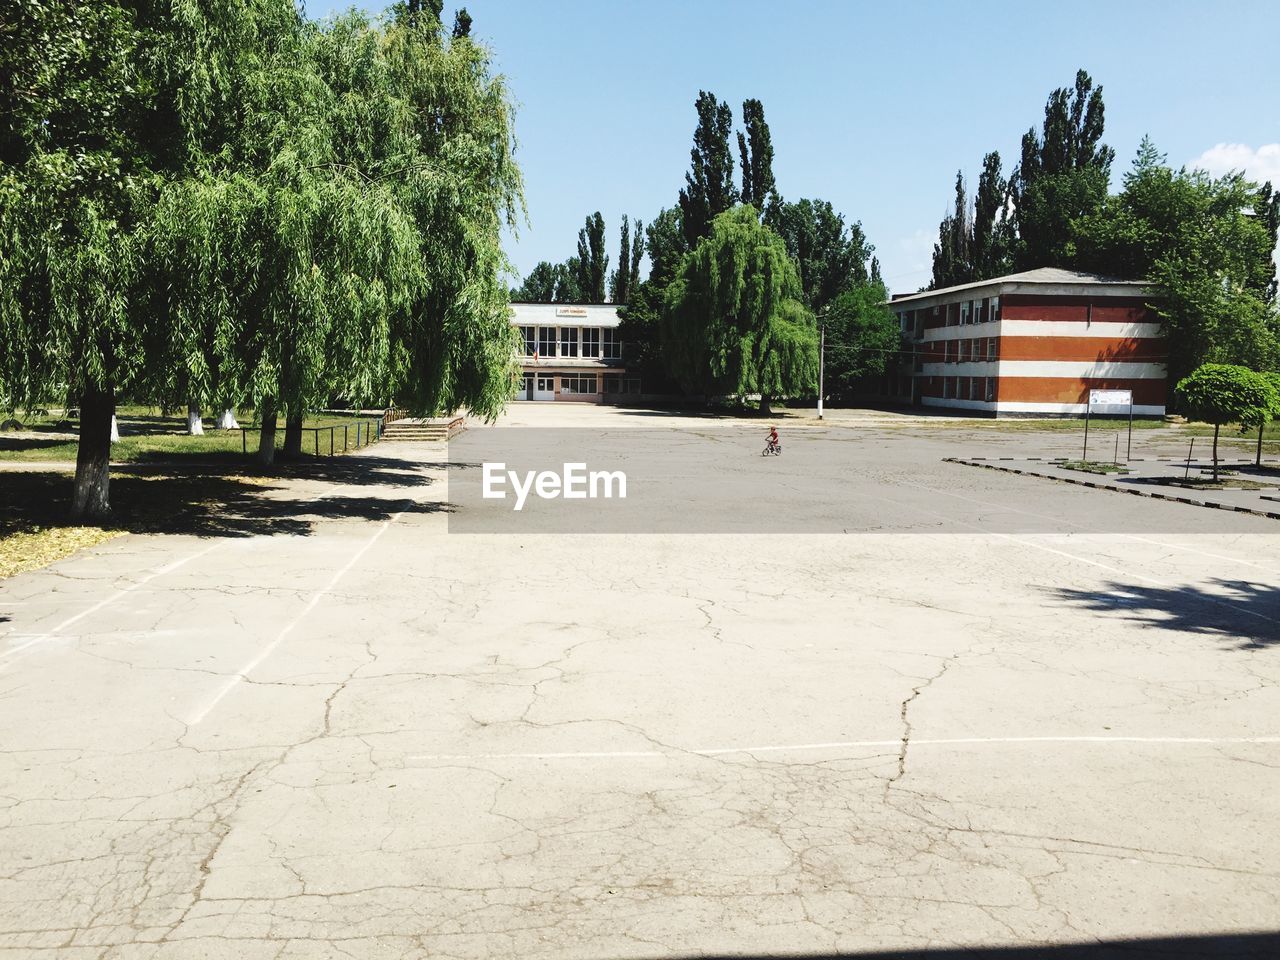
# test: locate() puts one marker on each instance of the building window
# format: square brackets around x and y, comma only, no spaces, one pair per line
[612,345]
[529,337]
[948,386]
[946,351]
[995,310]
[568,341]
[582,383]
[964,350]
[964,313]
[546,341]
[952,309]
[591,341]
[991,389]
[979,311]
[992,348]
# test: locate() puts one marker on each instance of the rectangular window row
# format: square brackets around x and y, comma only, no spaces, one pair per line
[966,351]
[579,383]
[969,388]
[985,310]
[596,342]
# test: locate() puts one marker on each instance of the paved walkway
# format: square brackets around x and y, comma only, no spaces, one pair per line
[374,738]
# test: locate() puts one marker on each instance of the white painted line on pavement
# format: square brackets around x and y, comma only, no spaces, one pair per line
[38,638]
[837,745]
[235,679]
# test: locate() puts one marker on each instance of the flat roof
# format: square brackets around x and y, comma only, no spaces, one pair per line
[1045,281]
[565,314]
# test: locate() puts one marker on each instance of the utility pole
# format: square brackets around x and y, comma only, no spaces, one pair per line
[822,357]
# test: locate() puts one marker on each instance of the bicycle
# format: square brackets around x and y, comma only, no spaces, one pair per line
[772,449]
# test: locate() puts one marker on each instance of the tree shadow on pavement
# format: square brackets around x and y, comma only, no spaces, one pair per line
[206,504]
[1248,614]
[1242,946]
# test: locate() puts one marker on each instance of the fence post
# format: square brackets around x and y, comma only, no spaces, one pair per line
[331,441]
[244,440]
[315,433]
[344,438]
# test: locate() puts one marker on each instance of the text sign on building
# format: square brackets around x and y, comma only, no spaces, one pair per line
[1108,397]
[571,311]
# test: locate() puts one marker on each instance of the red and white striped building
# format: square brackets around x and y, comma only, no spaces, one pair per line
[1032,344]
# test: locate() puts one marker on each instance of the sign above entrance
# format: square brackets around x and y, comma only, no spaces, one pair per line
[1101,397]
[571,311]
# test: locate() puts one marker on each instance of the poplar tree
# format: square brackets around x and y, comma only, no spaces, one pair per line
[1063,174]
[709,189]
[733,321]
[755,149]
[629,253]
[952,257]
[592,263]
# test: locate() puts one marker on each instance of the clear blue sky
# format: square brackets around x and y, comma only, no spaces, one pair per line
[871,106]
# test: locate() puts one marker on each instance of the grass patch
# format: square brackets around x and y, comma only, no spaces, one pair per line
[1207,483]
[146,435]
[1092,466]
[1056,424]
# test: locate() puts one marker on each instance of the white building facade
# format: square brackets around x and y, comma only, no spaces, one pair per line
[571,353]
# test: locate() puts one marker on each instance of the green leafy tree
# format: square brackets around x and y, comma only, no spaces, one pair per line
[592,263]
[461,24]
[1198,241]
[755,149]
[733,321]
[991,230]
[90,125]
[640,317]
[862,338]
[1220,393]
[624,279]
[539,286]
[974,240]
[1063,175]
[709,188]
[1266,209]
[1261,418]
[830,254]
[952,254]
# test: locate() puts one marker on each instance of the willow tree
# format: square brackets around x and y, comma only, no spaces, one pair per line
[453,172]
[87,134]
[733,320]
[345,243]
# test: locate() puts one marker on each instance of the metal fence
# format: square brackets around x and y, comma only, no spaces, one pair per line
[338,438]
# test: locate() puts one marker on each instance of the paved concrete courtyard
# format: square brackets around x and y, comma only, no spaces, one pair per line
[376,738]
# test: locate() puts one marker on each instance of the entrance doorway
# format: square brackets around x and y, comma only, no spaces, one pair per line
[544,387]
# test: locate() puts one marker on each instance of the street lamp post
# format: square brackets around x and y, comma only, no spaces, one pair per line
[822,357]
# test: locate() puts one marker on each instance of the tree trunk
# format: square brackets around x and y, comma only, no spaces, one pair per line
[1216,427]
[89,500]
[267,435]
[228,420]
[1257,462]
[195,425]
[293,435]
[764,404]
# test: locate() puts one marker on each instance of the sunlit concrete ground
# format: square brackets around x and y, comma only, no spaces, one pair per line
[380,739]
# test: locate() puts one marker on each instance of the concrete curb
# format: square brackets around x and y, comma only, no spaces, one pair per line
[1192,501]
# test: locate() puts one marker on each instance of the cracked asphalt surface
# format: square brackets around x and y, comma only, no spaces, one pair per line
[382,740]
